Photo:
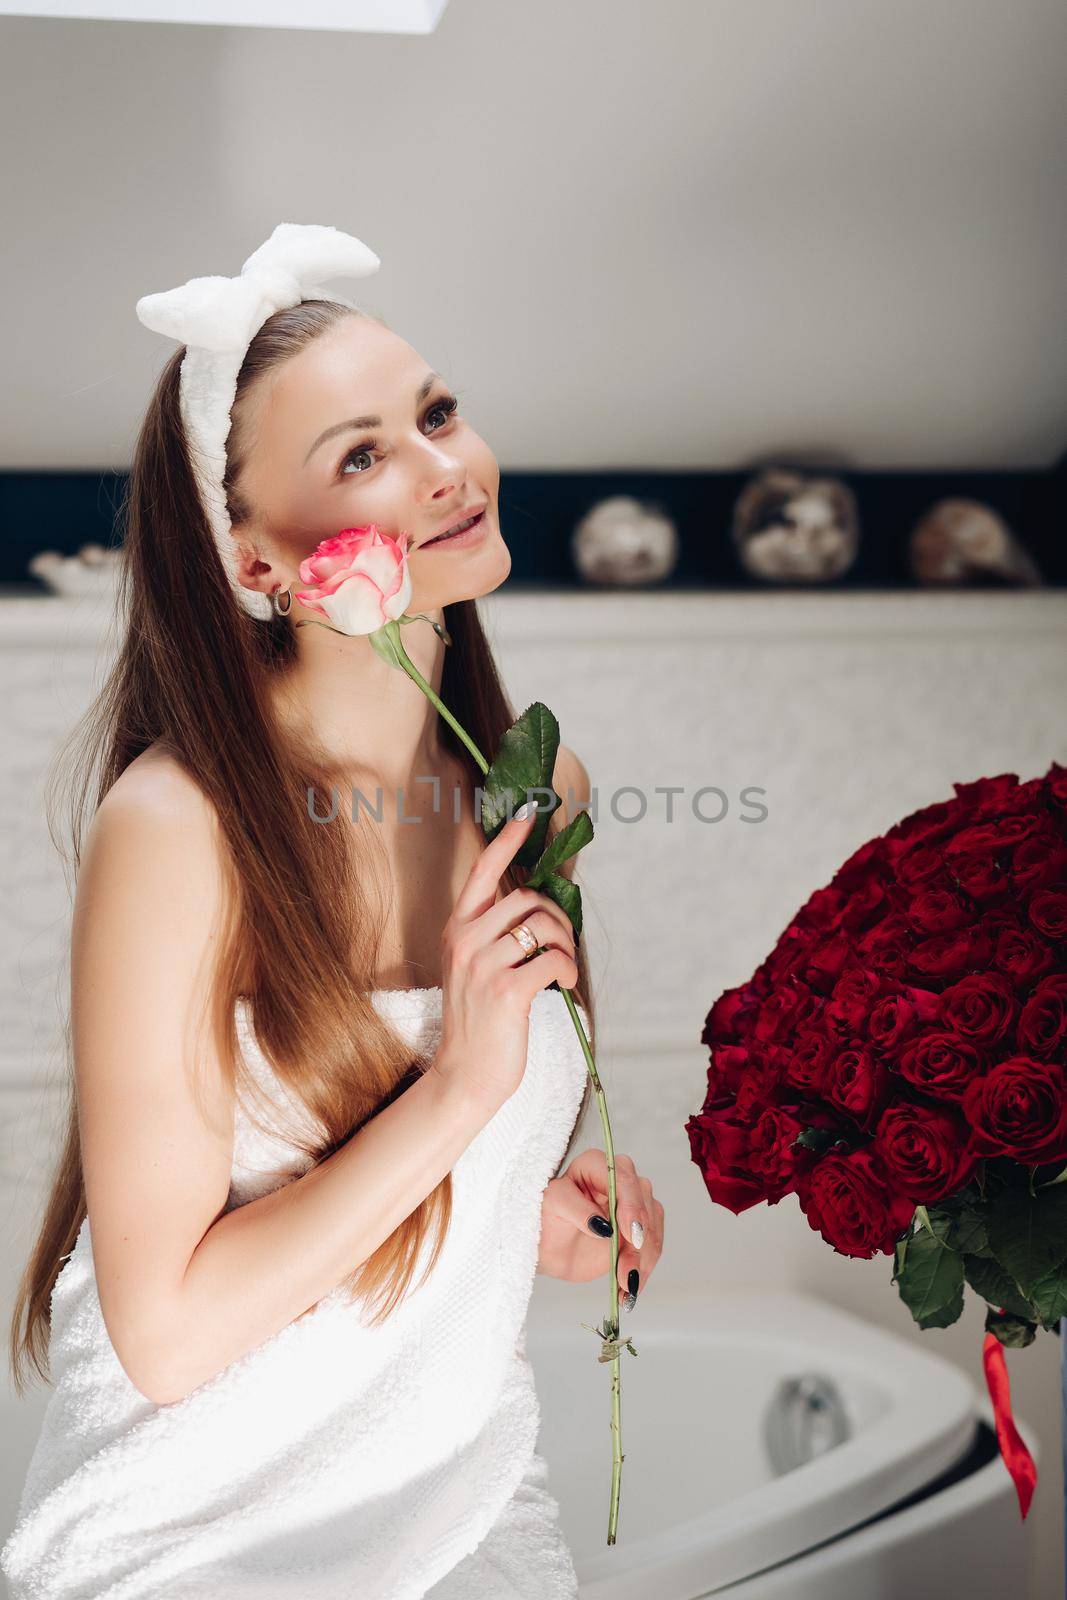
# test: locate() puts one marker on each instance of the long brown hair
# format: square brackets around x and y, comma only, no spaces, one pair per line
[192,673]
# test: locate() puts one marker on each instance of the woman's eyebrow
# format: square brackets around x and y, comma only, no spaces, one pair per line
[368,422]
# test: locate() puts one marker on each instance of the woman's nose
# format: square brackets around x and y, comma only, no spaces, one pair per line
[447,481]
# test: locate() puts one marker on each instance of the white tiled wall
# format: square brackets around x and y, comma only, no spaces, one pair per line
[846,710]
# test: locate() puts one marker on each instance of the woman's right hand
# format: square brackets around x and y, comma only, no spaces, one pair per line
[488,983]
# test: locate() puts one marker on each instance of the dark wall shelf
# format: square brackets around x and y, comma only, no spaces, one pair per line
[64,510]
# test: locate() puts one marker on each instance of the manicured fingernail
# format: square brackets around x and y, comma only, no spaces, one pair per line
[637,1234]
[629,1301]
[601,1225]
[633,1281]
[524,810]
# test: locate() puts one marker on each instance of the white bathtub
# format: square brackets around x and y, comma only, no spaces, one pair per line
[703,1510]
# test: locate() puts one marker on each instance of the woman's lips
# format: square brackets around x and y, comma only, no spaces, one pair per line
[470,535]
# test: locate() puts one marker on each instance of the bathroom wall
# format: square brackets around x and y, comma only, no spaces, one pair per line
[673,234]
[687,234]
[844,712]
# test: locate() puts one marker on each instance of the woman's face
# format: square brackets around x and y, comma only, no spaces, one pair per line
[357,429]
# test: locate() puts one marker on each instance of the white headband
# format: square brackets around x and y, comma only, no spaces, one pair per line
[217,318]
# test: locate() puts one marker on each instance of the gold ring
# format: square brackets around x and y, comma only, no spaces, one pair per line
[527,939]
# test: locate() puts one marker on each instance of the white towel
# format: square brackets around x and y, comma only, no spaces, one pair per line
[335,1460]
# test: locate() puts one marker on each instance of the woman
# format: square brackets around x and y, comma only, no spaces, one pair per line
[323,1095]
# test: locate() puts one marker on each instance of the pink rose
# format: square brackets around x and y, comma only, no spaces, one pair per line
[358,580]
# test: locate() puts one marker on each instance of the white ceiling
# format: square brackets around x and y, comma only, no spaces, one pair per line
[381,16]
[633,233]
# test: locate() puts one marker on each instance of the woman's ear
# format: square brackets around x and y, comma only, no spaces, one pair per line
[252,571]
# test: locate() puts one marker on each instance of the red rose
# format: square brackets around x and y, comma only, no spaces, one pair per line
[855,993]
[896,1018]
[856,1084]
[1039,862]
[1055,784]
[1022,957]
[1048,913]
[980,1008]
[806,1061]
[863,907]
[993,837]
[826,962]
[941,1064]
[755,1090]
[733,1013]
[773,1155]
[725,1069]
[950,955]
[927,1148]
[721,1149]
[1019,1109]
[787,957]
[859,865]
[782,1012]
[922,866]
[999,796]
[852,1201]
[928,826]
[983,878]
[823,908]
[938,911]
[1043,1025]
[886,946]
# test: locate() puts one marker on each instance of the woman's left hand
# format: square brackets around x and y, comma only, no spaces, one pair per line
[571,1249]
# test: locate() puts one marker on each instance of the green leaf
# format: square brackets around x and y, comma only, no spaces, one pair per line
[1028,1233]
[817,1139]
[1061,1177]
[574,837]
[385,640]
[945,1315]
[565,894]
[1049,1297]
[420,616]
[931,1281]
[970,1237]
[1014,1332]
[522,769]
[989,1279]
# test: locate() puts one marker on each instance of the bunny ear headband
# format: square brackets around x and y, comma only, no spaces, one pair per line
[216,319]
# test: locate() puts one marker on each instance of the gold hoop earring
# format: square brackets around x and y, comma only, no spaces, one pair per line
[280,610]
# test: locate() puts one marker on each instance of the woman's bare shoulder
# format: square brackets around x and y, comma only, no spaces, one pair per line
[159,786]
[158,830]
[571,781]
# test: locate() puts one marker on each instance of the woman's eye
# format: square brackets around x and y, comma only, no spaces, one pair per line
[446,408]
[354,455]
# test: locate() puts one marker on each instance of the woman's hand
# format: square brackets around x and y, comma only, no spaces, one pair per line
[488,981]
[571,1249]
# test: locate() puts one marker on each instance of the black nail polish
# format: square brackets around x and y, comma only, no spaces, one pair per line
[633,1281]
[601,1225]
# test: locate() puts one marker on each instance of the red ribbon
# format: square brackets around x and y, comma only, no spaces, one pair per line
[1017,1458]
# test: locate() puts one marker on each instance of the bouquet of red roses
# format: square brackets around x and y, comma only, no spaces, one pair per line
[899,1062]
